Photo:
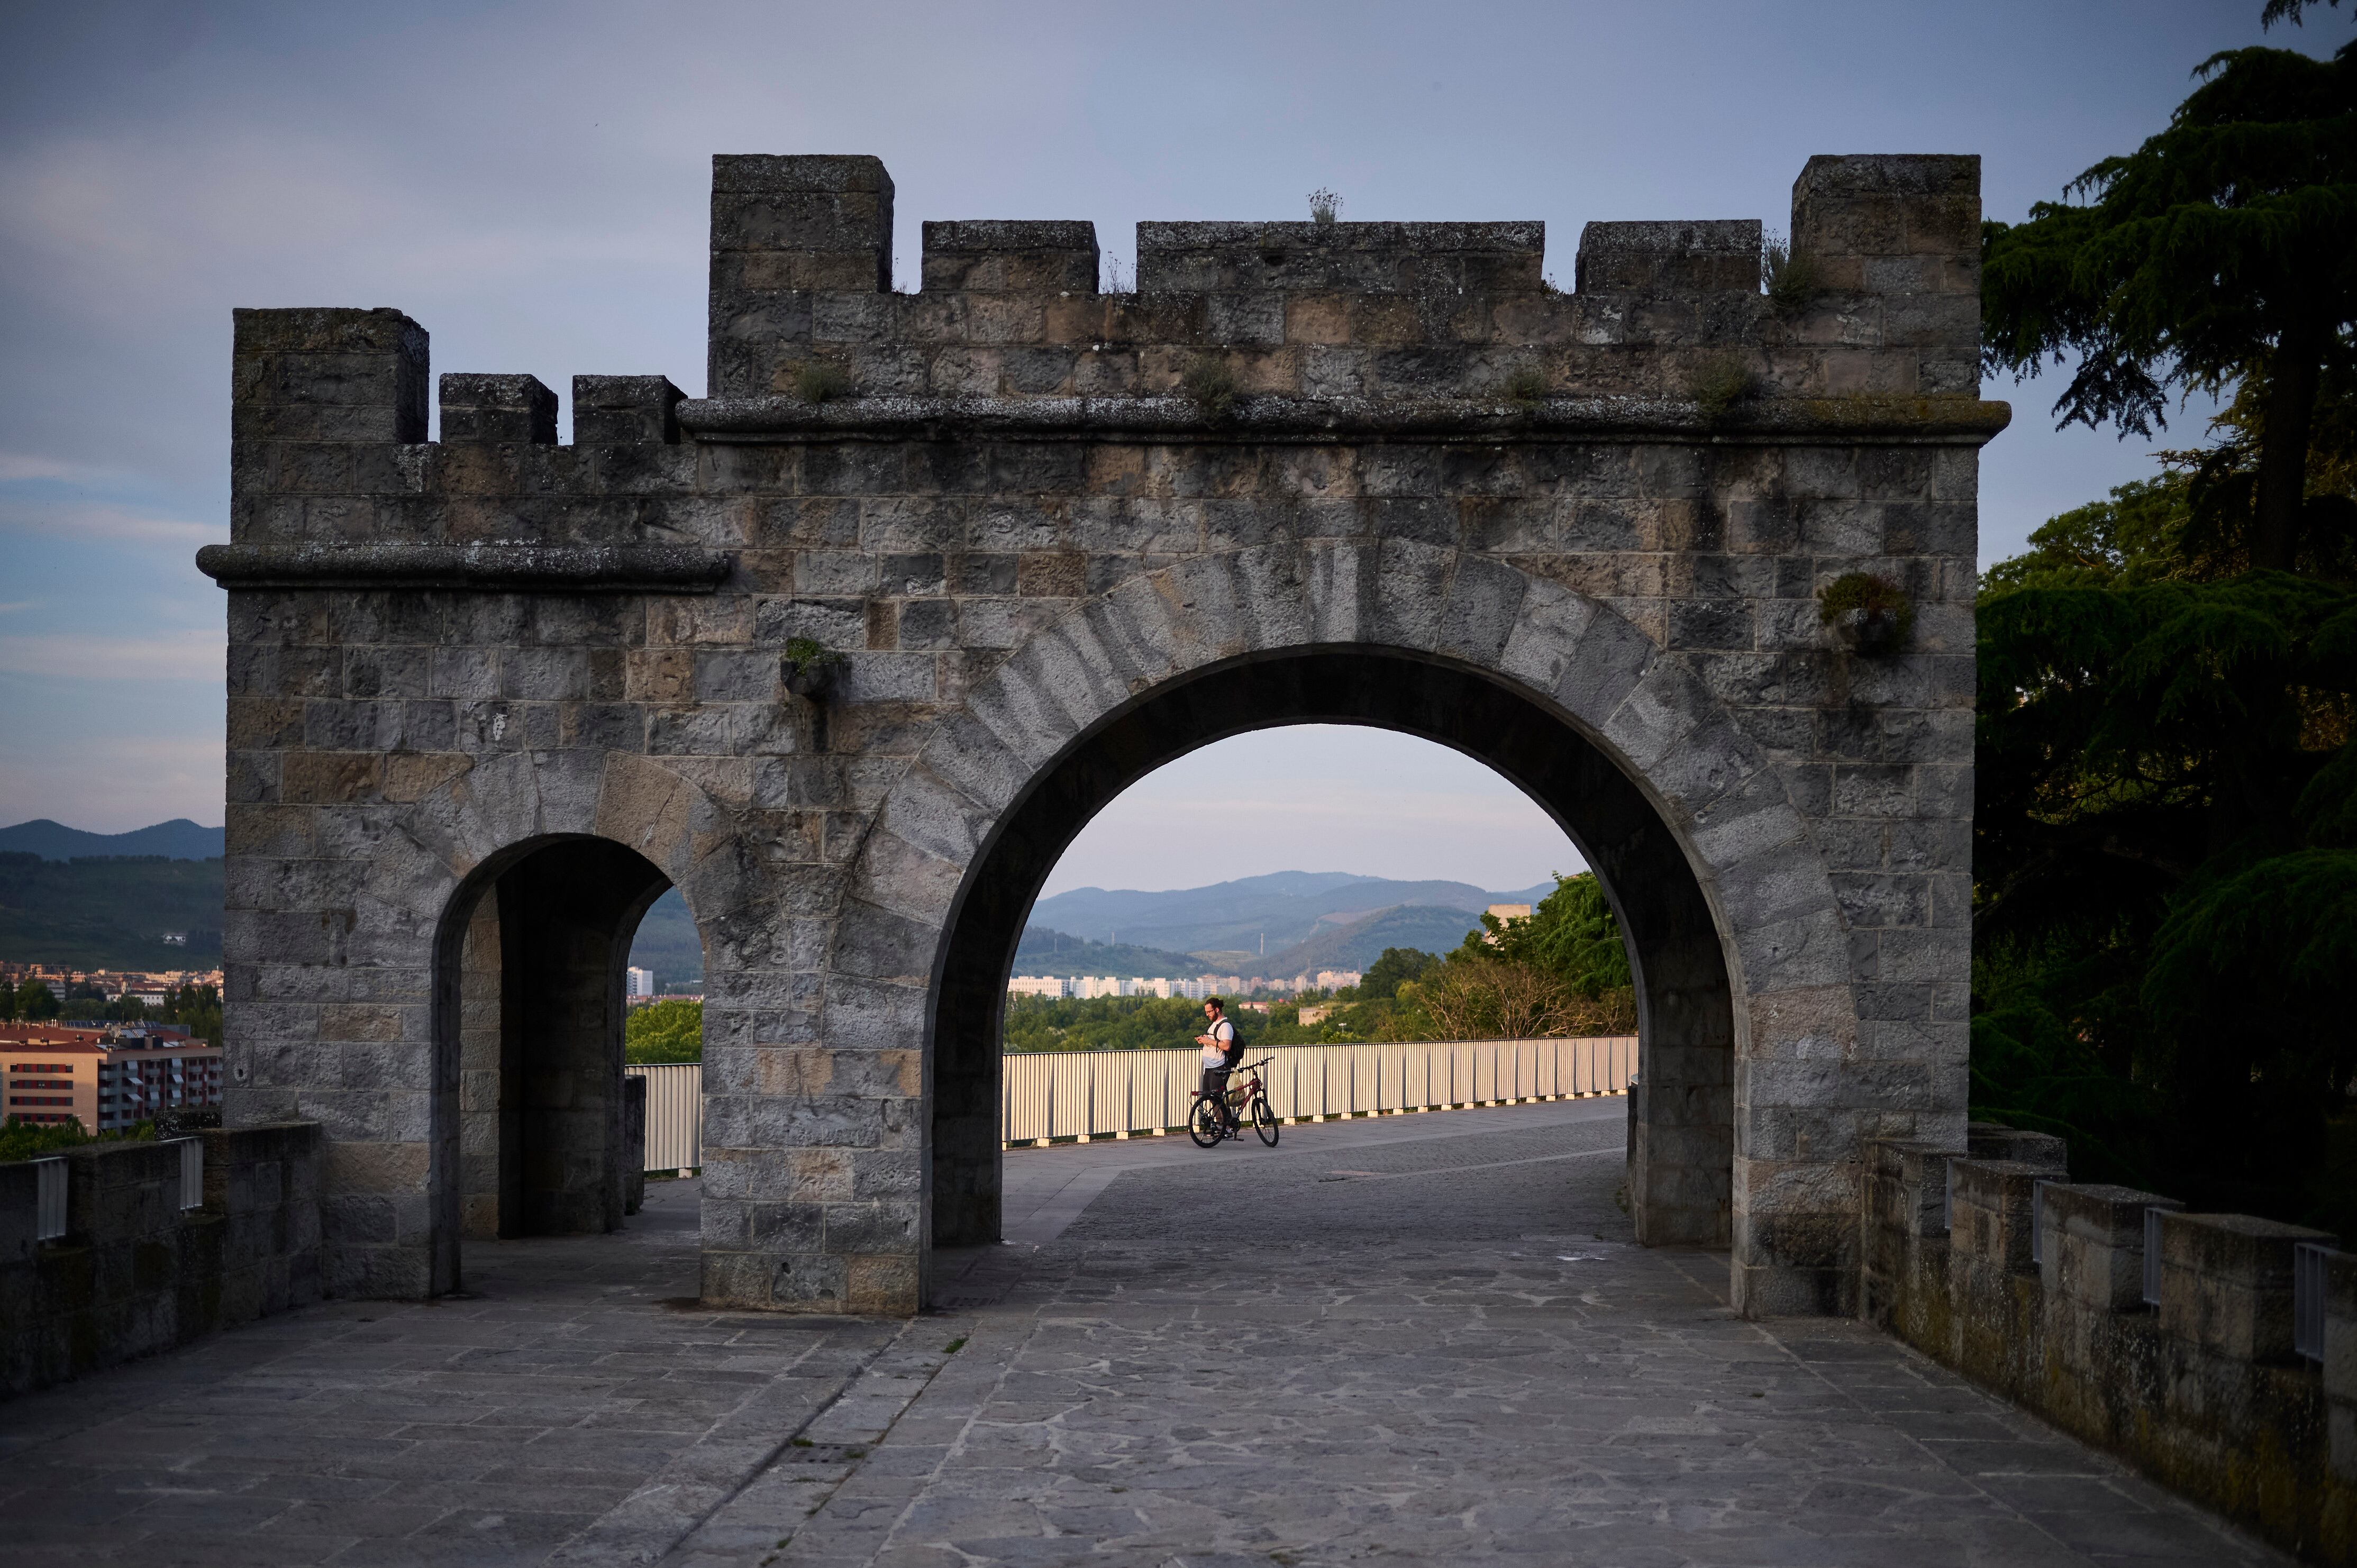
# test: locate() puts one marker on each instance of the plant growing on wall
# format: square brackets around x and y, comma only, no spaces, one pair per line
[1525,386]
[1325,206]
[1211,383]
[1790,278]
[1871,615]
[820,381]
[1719,385]
[809,666]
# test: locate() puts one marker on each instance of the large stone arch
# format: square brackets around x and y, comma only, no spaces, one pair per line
[1664,735]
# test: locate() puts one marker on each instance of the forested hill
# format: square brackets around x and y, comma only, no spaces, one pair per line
[179,839]
[111,911]
[1044,951]
[1360,943]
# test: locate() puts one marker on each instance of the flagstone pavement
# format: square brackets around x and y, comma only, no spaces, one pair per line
[1416,1339]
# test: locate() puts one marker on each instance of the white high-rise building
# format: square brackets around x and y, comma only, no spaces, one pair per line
[1039,985]
[638,984]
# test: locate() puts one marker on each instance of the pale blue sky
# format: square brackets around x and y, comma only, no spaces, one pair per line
[529,180]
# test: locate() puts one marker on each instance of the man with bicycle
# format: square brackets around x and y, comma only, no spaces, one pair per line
[1222,1050]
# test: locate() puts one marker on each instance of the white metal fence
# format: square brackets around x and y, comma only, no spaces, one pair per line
[675,1114]
[1048,1095]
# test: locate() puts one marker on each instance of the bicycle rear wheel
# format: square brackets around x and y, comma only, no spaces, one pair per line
[1204,1126]
[1264,1122]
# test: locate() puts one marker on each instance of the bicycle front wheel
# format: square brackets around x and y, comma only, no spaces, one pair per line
[1204,1126]
[1265,1123]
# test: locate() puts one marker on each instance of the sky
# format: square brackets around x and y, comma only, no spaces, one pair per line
[1317,797]
[530,180]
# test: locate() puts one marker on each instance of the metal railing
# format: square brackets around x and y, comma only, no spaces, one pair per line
[2152,1255]
[192,1172]
[675,1114]
[1050,1095]
[2308,1262]
[48,1199]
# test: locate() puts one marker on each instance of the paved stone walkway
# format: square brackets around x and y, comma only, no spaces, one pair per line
[1416,1339]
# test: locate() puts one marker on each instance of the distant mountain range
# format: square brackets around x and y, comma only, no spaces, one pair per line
[1262,916]
[1309,921]
[179,839]
[1280,924]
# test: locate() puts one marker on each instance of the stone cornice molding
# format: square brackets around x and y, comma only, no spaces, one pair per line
[485,567]
[1861,420]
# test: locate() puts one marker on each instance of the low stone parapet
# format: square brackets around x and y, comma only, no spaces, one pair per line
[1993,1262]
[149,1260]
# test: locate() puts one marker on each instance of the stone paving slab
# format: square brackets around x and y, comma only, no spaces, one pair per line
[569,1410]
[1429,1341]
[1409,1339]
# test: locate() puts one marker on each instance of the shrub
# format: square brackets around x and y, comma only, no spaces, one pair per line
[1526,385]
[1719,383]
[25,1140]
[1870,612]
[1325,206]
[1790,278]
[818,381]
[1211,383]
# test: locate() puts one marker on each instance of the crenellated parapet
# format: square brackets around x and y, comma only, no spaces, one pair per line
[1312,310]
[1320,331]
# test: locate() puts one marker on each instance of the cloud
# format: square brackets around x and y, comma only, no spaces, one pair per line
[76,519]
[16,467]
[195,654]
[114,783]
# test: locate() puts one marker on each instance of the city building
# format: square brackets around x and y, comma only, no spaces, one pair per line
[108,1079]
[1506,914]
[640,984]
[1039,985]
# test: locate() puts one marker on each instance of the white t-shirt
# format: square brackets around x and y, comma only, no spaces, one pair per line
[1223,1035]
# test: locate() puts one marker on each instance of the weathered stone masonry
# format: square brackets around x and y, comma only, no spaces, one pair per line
[488,694]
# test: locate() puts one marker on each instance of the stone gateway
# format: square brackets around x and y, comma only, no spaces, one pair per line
[849,650]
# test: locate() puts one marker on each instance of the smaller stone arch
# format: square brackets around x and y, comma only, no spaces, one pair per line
[550,861]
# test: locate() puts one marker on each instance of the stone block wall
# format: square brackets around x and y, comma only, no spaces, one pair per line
[2203,1391]
[1377,473]
[136,1273]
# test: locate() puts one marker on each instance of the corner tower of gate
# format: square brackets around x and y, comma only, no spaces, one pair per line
[1046,537]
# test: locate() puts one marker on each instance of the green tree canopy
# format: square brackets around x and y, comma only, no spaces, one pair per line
[1571,935]
[2222,253]
[2166,845]
[1381,981]
[669,1031]
[36,1002]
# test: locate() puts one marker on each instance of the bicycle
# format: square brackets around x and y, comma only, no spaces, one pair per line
[1215,1117]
